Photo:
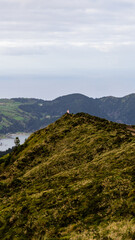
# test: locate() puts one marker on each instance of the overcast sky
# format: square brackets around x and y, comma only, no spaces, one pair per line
[49,48]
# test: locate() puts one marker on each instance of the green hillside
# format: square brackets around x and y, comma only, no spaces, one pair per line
[14,119]
[74,180]
[28,115]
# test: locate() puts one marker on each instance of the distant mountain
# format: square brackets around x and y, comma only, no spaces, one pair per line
[22,114]
[73,180]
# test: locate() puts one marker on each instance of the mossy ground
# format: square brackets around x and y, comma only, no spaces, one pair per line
[73,180]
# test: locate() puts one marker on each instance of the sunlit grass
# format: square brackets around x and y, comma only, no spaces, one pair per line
[72,180]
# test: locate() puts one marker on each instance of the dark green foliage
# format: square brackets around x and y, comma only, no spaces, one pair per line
[9,150]
[28,115]
[74,179]
[17,142]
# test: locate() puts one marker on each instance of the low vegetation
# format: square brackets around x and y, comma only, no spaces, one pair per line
[28,114]
[74,180]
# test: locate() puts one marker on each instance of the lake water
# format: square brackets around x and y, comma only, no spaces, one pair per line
[8,141]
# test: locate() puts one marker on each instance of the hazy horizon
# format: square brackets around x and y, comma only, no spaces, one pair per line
[51,87]
[65,94]
[53,48]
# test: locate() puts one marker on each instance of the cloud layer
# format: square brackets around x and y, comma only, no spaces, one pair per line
[54,47]
[34,27]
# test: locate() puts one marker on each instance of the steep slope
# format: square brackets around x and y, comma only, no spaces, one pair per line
[118,109]
[22,114]
[12,118]
[74,180]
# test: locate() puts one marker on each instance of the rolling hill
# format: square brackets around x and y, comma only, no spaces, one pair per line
[28,115]
[74,179]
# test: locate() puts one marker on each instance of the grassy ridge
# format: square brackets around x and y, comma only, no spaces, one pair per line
[74,179]
[28,114]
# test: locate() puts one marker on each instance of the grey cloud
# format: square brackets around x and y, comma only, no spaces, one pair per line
[43,24]
[67,41]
